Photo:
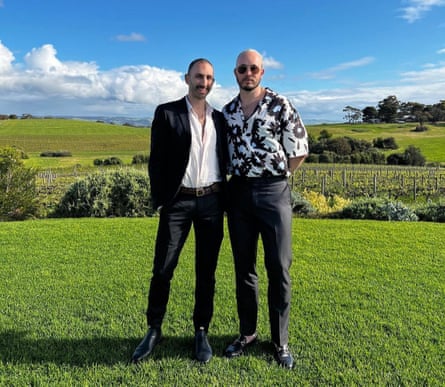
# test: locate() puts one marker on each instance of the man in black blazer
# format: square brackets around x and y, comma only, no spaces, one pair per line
[187,171]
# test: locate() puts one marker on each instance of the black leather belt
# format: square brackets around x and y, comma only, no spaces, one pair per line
[201,191]
[262,179]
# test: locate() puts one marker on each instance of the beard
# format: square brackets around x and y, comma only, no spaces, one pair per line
[247,86]
[197,92]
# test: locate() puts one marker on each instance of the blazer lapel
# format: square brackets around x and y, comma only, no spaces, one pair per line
[184,117]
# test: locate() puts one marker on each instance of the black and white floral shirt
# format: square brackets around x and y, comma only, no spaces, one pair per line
[260,145]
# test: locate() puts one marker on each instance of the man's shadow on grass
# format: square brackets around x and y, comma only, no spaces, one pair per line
[19,347]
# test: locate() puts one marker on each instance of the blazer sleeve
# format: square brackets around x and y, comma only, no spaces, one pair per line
[169,151]
[158,156]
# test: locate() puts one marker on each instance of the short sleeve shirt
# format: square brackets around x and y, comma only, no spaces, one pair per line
[260,145]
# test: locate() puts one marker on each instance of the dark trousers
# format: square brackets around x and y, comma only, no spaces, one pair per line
[206,215]
[261,207]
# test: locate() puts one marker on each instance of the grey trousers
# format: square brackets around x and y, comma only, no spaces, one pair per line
[261,207]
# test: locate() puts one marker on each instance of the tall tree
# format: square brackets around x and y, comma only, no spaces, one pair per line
[352,115]
[370,114]
[389,108]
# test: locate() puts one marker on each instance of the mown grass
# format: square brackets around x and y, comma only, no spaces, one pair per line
[368,307]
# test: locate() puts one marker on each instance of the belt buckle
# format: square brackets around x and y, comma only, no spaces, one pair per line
[200,192]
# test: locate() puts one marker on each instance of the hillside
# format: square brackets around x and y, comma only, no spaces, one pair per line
[88,140]
[431,143]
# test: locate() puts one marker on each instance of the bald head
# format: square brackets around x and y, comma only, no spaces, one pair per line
[250,56]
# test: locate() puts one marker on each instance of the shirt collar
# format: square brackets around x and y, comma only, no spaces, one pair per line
[209,109]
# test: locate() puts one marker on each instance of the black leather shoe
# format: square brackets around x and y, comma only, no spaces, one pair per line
[147,345]
[239,345]
[284,357]
[203,351]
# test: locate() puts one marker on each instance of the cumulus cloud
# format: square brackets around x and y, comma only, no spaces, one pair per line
[416,9]
[81,85]
[441,51]
[45,85]
[6,58]
[133,37]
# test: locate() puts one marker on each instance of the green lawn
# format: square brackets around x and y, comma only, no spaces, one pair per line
[368,307]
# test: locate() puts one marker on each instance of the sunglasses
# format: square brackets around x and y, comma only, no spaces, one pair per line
[254,69]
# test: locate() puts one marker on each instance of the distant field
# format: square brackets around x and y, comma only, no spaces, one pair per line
[431,143]
[88,140]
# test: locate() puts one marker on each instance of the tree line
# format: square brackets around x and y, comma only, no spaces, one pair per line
[390,110]
[347,150]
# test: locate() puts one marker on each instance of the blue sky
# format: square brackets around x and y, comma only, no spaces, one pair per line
[123,57]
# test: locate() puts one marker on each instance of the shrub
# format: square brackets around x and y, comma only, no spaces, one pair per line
[312,158]
[108,161]
[56,154]
[432,212]
[113,161]
[108,193]
[300,205]
[412,156]
[378,209]
[140,159]
[325,205]
[385,143]
[326,157]
[18,190]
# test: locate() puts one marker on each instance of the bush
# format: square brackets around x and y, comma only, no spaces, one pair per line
[412,156]
[385,143]
[300,205]
[140,159]
[325,205]
[109,161]
[56,154]
[433,212]
[326,157]
[378,209]
[18,190]
[312,158]
[110,193]
[113,161]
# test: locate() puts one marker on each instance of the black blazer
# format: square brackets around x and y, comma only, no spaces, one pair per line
[170,149]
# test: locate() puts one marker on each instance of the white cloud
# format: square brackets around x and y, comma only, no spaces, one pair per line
[417,9]
[78,86]
[424,86]
[271,63]
[331,72]
[45,85]
[441,51]
[6,58]
[133,37]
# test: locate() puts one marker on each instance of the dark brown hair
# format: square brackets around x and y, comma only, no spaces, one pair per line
[193,62]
